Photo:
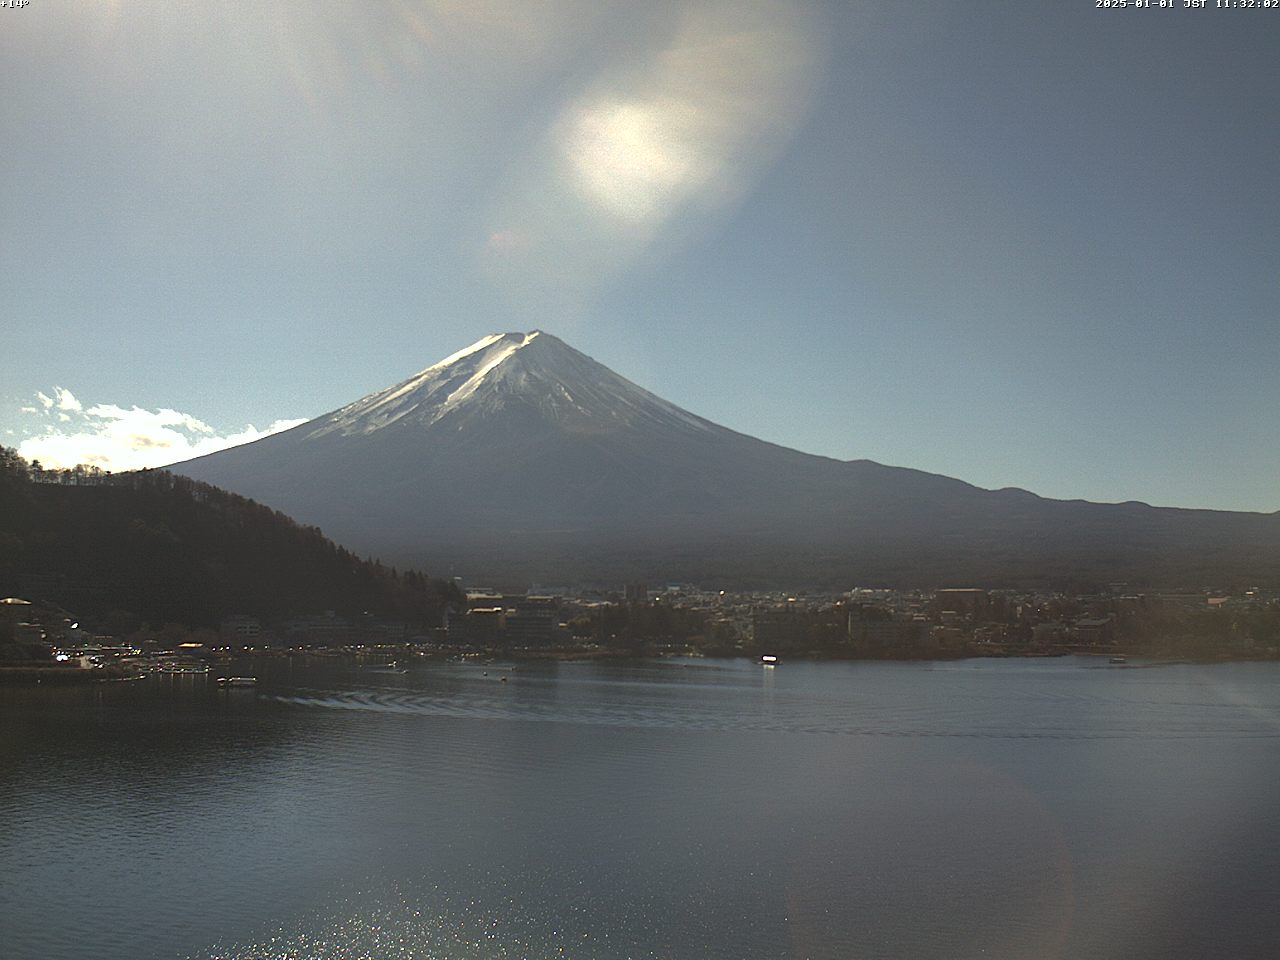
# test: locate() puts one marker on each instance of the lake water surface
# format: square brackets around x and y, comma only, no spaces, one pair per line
[1055,808]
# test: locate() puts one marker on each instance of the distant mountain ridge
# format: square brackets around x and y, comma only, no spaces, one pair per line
[520,458]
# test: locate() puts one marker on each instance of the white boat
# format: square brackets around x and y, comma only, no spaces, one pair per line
[391,667]
[183,668]
[237,681]
[769,660]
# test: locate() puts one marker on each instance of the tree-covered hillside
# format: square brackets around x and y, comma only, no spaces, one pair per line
[160,548]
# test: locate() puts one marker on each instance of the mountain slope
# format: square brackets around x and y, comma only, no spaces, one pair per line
[155,547]
[520,457]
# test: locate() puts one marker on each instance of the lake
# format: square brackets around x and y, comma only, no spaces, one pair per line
[1050,808]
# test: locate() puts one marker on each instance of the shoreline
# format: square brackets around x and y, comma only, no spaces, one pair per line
[60,675]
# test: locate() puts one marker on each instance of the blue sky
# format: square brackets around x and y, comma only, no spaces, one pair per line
[1023,244]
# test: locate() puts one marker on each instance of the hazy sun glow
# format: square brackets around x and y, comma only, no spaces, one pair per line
[652,143]
[634,158]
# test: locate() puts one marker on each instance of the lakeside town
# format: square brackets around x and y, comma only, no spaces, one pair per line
[41,641]
[115,577]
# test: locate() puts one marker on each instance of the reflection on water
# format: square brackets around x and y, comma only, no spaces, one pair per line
[677,809]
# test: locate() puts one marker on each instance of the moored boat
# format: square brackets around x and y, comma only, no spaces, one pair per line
[391,667]
[183,668]
[237,681]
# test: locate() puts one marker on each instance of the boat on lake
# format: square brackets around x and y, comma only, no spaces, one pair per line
[237,681]
[769,660]
[183,668]
[391,667]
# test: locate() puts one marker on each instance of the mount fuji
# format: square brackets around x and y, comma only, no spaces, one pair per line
[520,458]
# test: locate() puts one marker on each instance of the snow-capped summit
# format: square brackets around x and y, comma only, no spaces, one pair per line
[534,371]
[519,458]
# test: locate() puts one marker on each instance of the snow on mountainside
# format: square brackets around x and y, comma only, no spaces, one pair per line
[531,369]
[521,457]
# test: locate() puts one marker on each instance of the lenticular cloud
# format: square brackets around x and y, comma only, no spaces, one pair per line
[125,438]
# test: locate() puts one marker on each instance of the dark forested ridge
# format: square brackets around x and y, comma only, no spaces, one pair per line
[159,548]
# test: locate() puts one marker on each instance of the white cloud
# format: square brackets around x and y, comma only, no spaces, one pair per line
[67,400]
[116,438]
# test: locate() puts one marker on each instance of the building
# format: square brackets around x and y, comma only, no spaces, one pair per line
[970,603]
[240,631]
[1092,630]
[535,621]
[481,626]
[324,630]
[13,611]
